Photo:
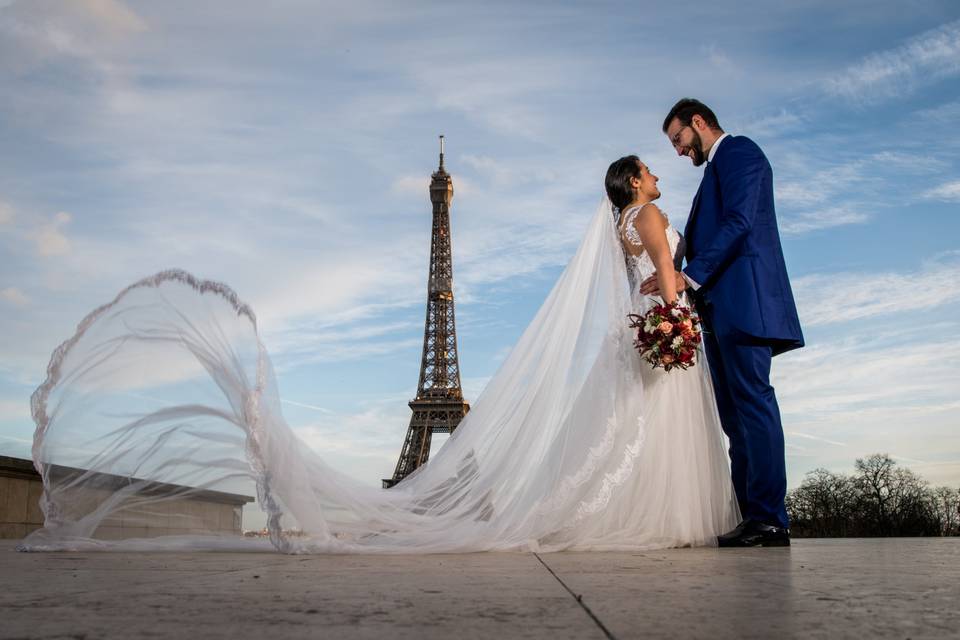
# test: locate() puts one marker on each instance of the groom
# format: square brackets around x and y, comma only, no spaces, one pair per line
[736,269]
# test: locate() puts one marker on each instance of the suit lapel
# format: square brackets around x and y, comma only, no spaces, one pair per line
[709,172]
[688,229]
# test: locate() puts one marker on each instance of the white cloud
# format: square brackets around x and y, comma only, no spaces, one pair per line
[515,173]
[333,354]
[773,125]
[892,392]
[910,370]
[913,162]
[493,169]
[14,409]
[808,436]
[840,193]
[50,239]
[35,32]
[944,114]
[719,59]
[928,57]
[505,94]
[824,299]
[112,14]
[365,444]
[6,214]
[16,447]
[303,405]
[949,191]
[821,219]
[14,296]
[411,185]
[804,188]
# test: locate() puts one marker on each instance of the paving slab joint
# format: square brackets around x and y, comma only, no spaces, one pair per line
[579,599]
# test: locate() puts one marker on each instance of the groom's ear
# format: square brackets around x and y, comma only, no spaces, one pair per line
[698,122]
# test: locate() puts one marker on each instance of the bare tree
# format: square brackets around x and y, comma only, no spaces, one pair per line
[823,505]
[894,501]
[946,507]
[880,499]
[873,482]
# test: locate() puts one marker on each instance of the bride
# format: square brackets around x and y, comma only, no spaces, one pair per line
[167,394]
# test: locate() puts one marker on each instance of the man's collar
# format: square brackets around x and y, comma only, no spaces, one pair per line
[716,145]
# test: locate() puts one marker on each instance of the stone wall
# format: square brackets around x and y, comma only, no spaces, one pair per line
[203,512]
[19,506]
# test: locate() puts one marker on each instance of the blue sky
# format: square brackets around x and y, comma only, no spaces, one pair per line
[285,148]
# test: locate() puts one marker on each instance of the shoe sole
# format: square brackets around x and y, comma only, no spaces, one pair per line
[766,543]
[775,543]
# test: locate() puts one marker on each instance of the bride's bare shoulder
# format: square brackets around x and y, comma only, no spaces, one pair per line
[650,214]
[651,208]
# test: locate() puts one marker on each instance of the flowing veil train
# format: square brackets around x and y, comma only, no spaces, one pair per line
[166,394]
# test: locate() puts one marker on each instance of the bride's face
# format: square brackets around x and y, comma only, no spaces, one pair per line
[647,184]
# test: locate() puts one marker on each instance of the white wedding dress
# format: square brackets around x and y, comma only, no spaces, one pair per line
[167,394]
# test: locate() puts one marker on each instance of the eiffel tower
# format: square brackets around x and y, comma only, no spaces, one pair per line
[439,405]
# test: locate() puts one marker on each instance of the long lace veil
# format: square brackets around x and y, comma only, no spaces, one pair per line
[163,407]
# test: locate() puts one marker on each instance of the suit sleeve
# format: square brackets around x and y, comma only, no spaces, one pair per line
[741,178]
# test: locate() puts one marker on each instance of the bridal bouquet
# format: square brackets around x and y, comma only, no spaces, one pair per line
[667,336]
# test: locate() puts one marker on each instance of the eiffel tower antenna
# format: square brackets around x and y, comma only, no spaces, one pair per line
[439,405]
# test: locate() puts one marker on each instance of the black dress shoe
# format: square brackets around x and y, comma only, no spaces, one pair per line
[751,533]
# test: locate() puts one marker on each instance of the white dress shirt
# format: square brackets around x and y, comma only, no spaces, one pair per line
[716,145]
[713,151]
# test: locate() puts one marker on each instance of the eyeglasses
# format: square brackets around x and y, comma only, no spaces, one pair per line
[676,137]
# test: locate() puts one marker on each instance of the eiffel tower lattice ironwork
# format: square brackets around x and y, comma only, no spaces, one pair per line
[439,405]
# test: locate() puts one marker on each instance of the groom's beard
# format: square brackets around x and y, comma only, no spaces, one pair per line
[699,157]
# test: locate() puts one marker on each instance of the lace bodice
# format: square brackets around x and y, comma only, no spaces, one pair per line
[640,267]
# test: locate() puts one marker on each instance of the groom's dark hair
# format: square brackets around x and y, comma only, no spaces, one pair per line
[618,180]
[684,111]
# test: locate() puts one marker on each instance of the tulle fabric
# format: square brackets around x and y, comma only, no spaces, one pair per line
[165,400]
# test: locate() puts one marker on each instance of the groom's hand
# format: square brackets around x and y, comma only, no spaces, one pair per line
[651,287]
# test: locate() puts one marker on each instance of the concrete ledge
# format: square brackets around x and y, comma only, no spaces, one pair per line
[24,469]
[198,511]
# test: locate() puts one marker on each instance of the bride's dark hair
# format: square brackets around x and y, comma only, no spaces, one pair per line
[618,180]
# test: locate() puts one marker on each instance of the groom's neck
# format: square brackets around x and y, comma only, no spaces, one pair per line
[708,138]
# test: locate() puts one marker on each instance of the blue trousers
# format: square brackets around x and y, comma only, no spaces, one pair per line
[749,415]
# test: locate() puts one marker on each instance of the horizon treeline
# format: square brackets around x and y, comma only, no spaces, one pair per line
[880,499]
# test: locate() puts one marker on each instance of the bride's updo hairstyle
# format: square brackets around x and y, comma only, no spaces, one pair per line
[618,181]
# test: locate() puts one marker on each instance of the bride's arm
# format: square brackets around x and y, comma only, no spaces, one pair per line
[652,227]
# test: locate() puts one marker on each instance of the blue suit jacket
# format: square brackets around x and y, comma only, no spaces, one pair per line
[734,252]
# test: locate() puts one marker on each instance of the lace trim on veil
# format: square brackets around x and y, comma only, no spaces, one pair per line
[252,411]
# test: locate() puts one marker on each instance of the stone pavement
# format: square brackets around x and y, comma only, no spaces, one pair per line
[888,588]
